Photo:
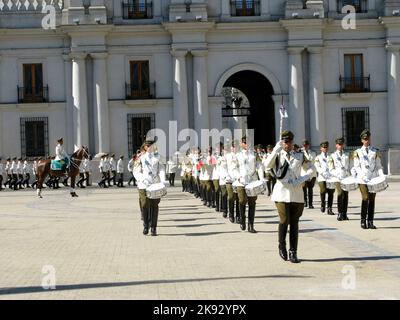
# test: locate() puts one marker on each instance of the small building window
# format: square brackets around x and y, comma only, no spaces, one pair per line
[245,8]
[33,89]
[354,121]
[361,6]
[354,80]
[34,137]
[140,86]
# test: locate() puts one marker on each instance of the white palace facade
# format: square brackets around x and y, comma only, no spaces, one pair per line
[110,70]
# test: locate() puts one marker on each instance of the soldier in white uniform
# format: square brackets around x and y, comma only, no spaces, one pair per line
[88,169]
[14,174]
[339,166]
[20,172]
[367,166]
[27,173]
[81,175]
[149,170]
[269,176]
[216,189]
[249,171]
[8,173]
[288,195]
[194,173]
[222,167]
[120,172]
[34,172]
[112,171]
[172,168]
[130,169]
[1,174]
[308,187]
[103,167]
[324,174]
[206,171]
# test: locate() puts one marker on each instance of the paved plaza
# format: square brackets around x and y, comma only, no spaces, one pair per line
[93,247]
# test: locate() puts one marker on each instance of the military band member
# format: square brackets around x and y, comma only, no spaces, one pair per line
[149,170]
[34,172]
[26,168]
[120,172]
[339,167]
[216,190]
[287,195]
[233,173]
[20,172]
[269,176]
[308,187]
[206,170]
[222,167]
[249,172]
[1,174]
[322,166]
[81,176]
[88,169]
[367,166]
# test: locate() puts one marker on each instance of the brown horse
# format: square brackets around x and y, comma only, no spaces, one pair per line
[43,170]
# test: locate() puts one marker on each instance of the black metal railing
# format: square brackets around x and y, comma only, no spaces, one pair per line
[355,84]
[145,92]
[32,94]
[245,8]
[229,112]
[361,6]
[137,10]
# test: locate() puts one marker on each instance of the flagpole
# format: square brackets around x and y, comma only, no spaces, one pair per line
[281,123]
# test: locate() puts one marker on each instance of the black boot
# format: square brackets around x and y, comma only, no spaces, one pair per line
[310,198]
[364,224]
[237,212]
[217,204]
[242,209]
[305,196]
[364,212]
[340,217]
[322,203]
[293,257]
[282,231]
[252,213]
[231,205]
[330,211]
[371,225]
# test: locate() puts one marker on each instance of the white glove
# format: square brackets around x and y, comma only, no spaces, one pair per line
[380,173]
[278,147]
[242,180]
[146,182]
[366,179]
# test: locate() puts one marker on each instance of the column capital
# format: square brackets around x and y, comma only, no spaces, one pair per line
[199,52]
[179,53]
[295,50]
[392,47]
[76,56]
[315,50]
[99,55]
[66,57]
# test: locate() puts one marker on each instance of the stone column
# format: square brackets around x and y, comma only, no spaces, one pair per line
[69,127]
[225,8]
[265,9]
[201,112]
[317,103]
[79,94]
[296,96]
[393,95]
[181,109]
[101,101]
[1,111]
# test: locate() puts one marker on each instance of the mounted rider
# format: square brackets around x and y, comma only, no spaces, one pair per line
[61,161]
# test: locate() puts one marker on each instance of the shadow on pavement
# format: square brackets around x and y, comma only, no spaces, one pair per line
[372,258]
[24,290]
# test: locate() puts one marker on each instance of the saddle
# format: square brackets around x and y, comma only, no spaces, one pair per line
[59,165]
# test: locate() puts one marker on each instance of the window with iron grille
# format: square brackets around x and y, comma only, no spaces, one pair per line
[361,6]
[140,86]
[138,127]
[354,121]
[34,137]
[245,8]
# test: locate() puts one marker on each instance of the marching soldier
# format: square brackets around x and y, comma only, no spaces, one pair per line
[339,166]
[88,169]
[248,172]
[27,173]
[222,166]
[120,172]
[14,174]
[20,173]
[233,173]
[206,170]
[367,165]
[308,187]
[130,169]
[216,190]
[34,171]
[287,194]
[103,170]
[81,175]
[322,166]
[148,171]
[171,171]
[113,171]
[8,173]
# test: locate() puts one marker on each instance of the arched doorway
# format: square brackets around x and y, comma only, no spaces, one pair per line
[259,91]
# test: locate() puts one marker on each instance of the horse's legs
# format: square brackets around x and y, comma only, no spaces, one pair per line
[39,186]
[73,193]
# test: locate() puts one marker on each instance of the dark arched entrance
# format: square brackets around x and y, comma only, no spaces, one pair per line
[259,91]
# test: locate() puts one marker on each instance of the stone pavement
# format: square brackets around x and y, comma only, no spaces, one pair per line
[96,250]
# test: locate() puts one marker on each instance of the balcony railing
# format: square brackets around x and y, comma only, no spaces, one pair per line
[134,93]
[245,8]
[361,6]
[355,84]
[137,10]
[33,95]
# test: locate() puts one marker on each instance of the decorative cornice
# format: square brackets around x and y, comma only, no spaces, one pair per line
[188,27]
[99,55]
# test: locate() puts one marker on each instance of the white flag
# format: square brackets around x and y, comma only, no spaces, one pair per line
[283,112]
